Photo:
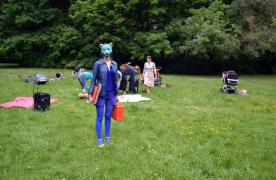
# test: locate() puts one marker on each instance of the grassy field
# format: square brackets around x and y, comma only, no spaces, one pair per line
[187,131]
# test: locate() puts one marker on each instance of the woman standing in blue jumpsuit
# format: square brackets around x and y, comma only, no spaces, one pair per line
[105,73]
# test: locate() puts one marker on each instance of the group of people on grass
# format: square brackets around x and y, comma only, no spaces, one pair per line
[127,76]
[112,78]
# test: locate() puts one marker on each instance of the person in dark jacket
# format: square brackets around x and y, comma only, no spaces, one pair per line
[128,70]
[105,73]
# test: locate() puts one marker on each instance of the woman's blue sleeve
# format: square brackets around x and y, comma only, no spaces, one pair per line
[93,80]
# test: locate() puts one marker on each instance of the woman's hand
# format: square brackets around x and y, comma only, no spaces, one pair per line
[90,98]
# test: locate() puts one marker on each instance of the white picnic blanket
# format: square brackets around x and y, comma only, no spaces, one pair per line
[132,98]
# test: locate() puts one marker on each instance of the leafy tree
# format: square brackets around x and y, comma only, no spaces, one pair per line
[99,22]
[205,34]
[155,44]
[254,18]
[272,42]
[32,33]
[105,21]
[49,33]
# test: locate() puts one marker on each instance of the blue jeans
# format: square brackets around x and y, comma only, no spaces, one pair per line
[104,106]
[82,81]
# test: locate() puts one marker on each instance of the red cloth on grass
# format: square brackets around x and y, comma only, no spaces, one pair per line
[24,102]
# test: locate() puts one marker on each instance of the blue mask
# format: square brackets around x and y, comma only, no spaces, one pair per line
[106,49]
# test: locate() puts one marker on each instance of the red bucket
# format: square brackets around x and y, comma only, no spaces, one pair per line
[118,112]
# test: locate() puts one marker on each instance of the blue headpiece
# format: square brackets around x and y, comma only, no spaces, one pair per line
[106,49]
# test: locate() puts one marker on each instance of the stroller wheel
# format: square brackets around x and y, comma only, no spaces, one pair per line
[226,91]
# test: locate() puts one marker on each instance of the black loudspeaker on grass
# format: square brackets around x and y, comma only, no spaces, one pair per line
[41,100]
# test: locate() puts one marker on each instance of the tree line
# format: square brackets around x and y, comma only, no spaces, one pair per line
[183,36]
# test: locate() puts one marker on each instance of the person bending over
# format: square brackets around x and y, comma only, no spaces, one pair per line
[84,76]
[128,70]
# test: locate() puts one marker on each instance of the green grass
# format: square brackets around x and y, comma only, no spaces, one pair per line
[188,131]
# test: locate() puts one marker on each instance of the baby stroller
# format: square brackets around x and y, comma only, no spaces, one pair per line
[230,81]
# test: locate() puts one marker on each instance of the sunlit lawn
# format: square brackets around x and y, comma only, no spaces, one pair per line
[187,131]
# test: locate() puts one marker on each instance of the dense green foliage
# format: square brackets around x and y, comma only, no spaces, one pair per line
[188,131]
[47,33]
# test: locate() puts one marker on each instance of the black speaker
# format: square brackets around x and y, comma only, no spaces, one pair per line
[41,101]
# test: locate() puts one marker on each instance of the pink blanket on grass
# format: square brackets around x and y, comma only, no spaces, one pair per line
[24,102]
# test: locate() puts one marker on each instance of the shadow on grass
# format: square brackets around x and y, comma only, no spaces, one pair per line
[9,65]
